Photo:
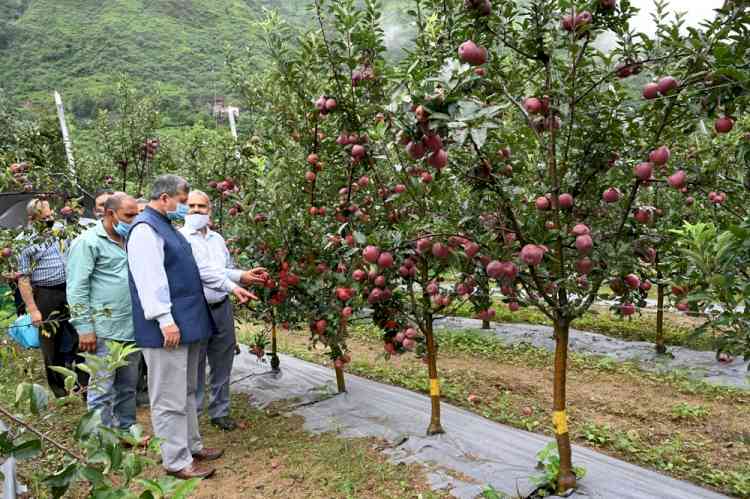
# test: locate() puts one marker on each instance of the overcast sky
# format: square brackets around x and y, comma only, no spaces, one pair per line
[397,32]
[697,11]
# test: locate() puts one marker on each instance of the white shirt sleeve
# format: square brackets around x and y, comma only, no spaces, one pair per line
[146,261]
[213,276]
[233,273]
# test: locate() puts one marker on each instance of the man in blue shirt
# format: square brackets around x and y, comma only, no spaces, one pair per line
[99,300]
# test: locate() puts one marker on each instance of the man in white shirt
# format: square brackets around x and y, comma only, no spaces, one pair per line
[219,278]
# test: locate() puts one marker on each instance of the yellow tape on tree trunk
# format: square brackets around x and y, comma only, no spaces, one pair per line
[434,387]
[560,420]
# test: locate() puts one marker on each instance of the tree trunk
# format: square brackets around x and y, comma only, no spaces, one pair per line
[275,362]
[485,288]
[660,288]
[435,426]
[340,379]
[566,479]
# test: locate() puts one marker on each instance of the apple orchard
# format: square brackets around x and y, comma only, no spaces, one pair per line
[506,154]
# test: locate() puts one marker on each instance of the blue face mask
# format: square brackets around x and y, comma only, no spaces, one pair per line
[179,213]
[122,229]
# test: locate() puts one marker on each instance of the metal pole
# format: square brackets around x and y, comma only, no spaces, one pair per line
[66,138]
[233,112]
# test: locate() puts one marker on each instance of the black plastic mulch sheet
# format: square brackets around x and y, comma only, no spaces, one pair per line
[483,451]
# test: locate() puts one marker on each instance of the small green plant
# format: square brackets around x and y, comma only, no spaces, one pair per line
[259,343]
[597,434]
[683,410]
[549,463]
[99,458]
[489,492]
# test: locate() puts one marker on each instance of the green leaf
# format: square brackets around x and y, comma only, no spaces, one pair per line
[63,478]
[88,425]
[27,449]
[185,488]
[93,475]
[359,237]
[39,399]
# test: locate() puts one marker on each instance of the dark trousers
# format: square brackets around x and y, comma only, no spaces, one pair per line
[219,352]
[18,299]
[58,339]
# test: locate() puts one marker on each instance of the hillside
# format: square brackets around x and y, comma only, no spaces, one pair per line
[81,46]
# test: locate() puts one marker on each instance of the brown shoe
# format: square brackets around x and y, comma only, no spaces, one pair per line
[208,454]
[192,471]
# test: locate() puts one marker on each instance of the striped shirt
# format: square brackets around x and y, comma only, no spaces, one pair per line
[44,263]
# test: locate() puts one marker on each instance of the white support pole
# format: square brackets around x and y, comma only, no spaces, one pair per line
[233,112]
[66,138]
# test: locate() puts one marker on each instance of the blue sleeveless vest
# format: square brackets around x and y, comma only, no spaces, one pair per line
[189,307]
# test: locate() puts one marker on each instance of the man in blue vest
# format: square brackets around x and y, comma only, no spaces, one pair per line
[171,319]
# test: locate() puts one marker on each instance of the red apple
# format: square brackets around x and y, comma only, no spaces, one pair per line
[643,171]
[542,203]
[584,265]
[415,150]
[438,159]
[568,22]
[471,249]
[583,19]
[441,251]
[371,253]
[677,179]
[667,84]
[580,230]
[385,260]
[532,105]
[495,269]
[632,281]
[310,177]
[584,244]
[471,53]
[724,124]
[359,275]
[627,309]
[424,245]
[565,201]
[312,158]
[642,215]
[433,142]
[660,155]
[358,152]
[532,254]
[611,195]
[651,91]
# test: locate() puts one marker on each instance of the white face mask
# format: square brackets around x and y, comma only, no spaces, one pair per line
[196,221]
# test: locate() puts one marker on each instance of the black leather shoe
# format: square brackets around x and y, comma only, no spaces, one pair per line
[225,423]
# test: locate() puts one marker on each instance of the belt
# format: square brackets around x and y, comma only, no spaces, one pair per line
[218,304]
[56,287]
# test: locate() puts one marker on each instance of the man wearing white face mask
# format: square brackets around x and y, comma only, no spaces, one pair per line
[219,279]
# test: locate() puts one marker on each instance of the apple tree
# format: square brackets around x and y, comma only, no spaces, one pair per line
[592,147]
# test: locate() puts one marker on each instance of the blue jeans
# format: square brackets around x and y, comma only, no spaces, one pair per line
[114,393]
